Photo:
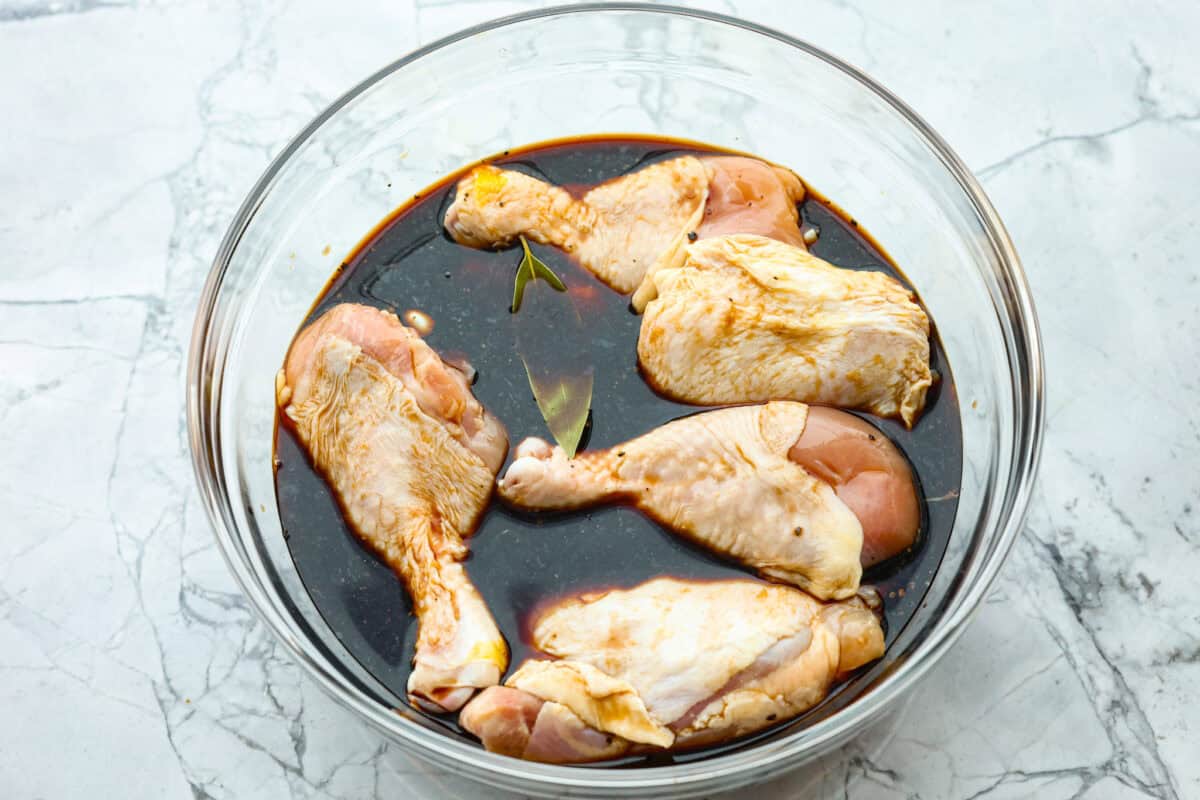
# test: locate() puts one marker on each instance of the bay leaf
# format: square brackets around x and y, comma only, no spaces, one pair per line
[555,350]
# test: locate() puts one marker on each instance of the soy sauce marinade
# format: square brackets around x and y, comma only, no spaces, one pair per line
[519,561]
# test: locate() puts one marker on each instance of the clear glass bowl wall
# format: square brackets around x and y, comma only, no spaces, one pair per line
[626,69]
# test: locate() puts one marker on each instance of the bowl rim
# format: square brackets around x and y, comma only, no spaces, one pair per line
[1022,340]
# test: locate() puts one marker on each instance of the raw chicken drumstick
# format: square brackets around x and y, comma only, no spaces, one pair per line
[626,229]
[670,664]
[748,483]
[411,455]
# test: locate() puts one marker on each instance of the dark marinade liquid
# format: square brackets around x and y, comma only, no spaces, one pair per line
[519,561]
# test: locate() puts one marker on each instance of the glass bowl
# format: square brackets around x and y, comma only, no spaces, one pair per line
[614,69]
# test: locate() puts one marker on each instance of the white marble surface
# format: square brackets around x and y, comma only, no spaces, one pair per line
[130,666]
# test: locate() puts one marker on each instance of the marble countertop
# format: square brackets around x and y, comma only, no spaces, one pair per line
[130,665]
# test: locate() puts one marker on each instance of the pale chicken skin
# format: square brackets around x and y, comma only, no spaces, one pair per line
[723,478]
[626,229]
[671,664]
[745,318]
[619,230]
[411,455]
